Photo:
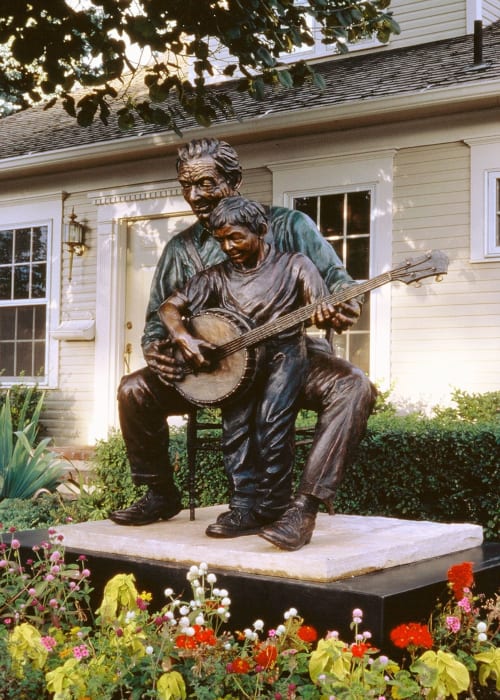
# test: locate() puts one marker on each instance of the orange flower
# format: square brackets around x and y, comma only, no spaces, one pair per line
[460,576]
[240,665]
[204,636]
[411,634]
[266,656]
[307,633]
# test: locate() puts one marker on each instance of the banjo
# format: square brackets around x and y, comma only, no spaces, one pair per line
[235,360]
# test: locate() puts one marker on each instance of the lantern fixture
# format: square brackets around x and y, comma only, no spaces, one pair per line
[73,240]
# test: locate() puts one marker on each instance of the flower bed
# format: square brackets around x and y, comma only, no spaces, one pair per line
[52,645]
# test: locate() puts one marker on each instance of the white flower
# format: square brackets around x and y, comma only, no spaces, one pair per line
[223,593]
[184,622]
[227,646]
[196,583]
[200,592]
[184,610]
[280,629]
[188,631]
[129,616]
[221,610]
[357,620]
[168,592]
[482,637]
[203,567]
[258,625]
[226,601]
[357,612]
[481,626]
[227,615]
[211,578]
[250,634]
[290,613]
[149,650]
[200,620]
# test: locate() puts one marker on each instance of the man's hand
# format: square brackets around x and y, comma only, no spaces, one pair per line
[160,359]
[194,350]
[340,317]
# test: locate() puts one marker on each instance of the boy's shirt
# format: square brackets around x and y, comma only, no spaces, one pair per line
[290,230]
[282,283]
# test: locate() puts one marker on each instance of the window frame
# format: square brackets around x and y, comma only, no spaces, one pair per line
[353,172]
[484,175]
[48,213]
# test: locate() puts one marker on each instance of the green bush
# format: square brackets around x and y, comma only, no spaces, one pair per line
[472,408]
[30,514]
[426,469]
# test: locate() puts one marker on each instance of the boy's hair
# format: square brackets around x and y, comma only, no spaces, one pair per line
[225,157]
[239,211]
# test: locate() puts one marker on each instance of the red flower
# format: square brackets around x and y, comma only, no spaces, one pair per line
[460,576]
[359,649]
[307,633]
[266,655]
[240,665]
[411,634]
[183,641]
[204,636]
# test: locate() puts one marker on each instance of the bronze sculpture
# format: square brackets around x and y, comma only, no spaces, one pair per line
[208,171]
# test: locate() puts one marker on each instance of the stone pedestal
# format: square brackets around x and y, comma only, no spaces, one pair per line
[393,569]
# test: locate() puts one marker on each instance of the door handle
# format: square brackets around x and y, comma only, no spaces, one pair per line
[126,357]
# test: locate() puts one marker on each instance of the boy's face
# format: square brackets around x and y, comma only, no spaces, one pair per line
[242,246]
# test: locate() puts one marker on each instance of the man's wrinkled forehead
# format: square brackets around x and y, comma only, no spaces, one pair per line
[197,168]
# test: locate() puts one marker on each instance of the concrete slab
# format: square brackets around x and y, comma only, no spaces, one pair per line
[342,545]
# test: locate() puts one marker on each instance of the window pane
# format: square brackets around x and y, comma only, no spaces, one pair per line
[38,281]
[7,323]
[6,246]
[309,205]
[39,325]
[21,282]
[24,364]
[25,322]
[358,212]
[332,215]
[39,361]
[39,243]
[363,323]
[22,245]
[5,283]
[7,358]
[360,350]
[358,258]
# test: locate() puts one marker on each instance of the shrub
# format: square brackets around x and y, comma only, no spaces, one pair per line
[23,402]
[472,408]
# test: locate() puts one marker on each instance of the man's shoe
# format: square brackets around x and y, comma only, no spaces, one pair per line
[293,530]
[148,509]
[234,523]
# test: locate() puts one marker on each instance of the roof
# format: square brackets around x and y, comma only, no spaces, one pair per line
[357,80]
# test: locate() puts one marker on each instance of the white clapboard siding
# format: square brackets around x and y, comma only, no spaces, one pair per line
[428,20]
[430,343]
[491,11]
[68,409]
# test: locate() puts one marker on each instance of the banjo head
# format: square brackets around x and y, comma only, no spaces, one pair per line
[232,373]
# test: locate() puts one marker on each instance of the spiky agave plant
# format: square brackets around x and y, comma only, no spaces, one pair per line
[25,466]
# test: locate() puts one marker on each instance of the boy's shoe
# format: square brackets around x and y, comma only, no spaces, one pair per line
[293,530]
[234,523]
[148,509]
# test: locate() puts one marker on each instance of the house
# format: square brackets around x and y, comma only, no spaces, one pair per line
[400,154]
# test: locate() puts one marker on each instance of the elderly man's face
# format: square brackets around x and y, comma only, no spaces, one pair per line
[203,186]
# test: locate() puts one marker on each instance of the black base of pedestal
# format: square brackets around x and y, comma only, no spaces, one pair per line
[387,598]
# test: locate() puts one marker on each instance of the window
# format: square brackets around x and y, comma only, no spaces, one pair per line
[485,199]
[23,301]
[344,219]
[493,214]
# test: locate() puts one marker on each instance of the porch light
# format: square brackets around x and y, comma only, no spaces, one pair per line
[73,240]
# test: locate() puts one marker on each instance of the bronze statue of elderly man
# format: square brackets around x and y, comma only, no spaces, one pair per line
[341,394]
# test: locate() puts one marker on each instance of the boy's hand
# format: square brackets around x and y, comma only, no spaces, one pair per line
[193,349]
[340,317]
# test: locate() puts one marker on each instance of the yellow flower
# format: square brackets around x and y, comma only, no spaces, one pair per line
[25,644]
[489,665]
[119,593]
[63,680]
[145,595]
[171,686]
[330,657]
[452,676]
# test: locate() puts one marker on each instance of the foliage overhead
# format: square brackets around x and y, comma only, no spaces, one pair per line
[51,48]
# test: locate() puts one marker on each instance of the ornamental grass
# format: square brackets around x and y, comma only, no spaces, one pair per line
[53,645]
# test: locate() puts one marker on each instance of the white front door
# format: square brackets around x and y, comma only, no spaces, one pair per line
[146,239]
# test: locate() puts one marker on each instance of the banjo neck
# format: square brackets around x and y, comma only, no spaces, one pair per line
[433,263]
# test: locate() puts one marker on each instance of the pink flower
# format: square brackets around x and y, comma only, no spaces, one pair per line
[465,605]
[453,623]
[15,544]
[48,642]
